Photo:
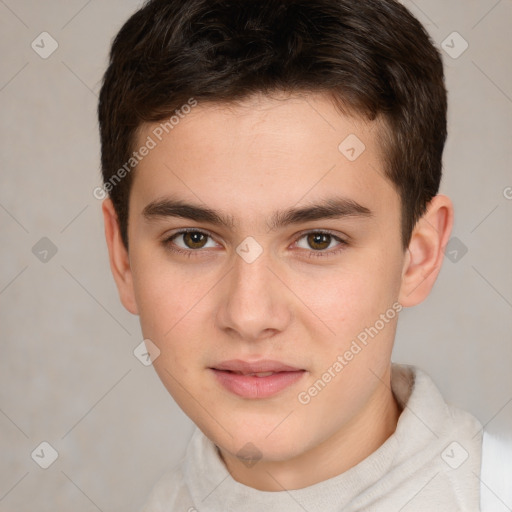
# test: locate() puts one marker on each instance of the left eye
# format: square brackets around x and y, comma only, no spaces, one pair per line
[318,240]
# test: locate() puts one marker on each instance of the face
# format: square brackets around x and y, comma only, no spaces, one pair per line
[302,255]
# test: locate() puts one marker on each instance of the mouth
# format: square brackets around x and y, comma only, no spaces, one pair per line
[259,379]
[259,374]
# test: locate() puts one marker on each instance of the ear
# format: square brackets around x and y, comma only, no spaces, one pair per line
[425,253]
[119,259]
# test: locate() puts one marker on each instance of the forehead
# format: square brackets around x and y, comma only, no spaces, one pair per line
[265,151]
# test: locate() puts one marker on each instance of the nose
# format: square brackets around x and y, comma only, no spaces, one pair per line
[255,303]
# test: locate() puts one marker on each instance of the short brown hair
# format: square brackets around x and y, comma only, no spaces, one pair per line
[372,56]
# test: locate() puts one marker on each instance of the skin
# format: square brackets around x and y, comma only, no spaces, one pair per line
[247,161]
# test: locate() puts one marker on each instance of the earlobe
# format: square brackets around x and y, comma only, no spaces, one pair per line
[425,253]
[119,259]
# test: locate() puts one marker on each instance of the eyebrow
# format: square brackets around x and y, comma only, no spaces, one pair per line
[329,208]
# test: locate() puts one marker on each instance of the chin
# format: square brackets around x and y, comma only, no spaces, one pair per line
[259,442]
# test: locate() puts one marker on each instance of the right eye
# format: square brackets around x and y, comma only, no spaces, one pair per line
[192,240]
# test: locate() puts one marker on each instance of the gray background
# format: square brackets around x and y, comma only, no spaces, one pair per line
[68,375]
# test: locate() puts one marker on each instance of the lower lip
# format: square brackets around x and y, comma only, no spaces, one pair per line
[250,386]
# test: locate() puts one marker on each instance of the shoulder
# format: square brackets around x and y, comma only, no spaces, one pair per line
[496,474]
[416,391]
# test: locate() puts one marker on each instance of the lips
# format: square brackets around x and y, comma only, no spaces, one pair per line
[259,379]
[262,366]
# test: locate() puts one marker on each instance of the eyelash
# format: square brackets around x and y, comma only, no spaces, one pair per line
[167,243]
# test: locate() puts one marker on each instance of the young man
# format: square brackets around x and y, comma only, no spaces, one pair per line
[272,169]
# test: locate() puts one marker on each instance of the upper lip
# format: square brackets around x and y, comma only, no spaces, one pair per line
[261,366]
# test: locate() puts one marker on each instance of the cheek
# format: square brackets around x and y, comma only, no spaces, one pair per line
[353,298]
[174,312]
[351,291]
[170,310]
[162,293]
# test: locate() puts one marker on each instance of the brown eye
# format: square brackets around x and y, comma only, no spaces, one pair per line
[319,241]
[189,242]
[321,244]
[194,239]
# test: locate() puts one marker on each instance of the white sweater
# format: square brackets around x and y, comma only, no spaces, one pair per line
[430,464]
